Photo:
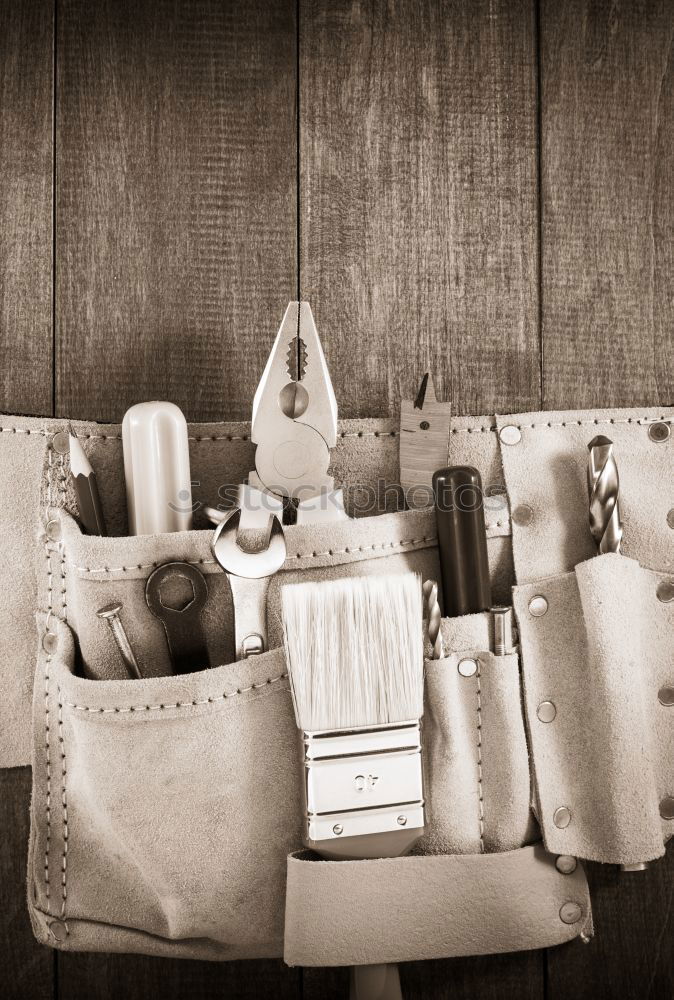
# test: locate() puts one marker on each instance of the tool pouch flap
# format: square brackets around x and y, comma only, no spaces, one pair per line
[597,654]
[429,907]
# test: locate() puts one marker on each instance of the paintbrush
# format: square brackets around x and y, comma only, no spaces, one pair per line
[354,650]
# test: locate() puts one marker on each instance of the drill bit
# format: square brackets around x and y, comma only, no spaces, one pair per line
[433,616]
[603,487]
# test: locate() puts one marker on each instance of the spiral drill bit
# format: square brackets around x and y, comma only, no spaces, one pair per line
[433,616]
[604,486]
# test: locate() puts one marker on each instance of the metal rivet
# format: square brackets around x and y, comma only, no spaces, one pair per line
[522,515]
[58,930]
[538,606]
[659,432]
[53,530]
[562,817]
[61,442]
[566,864]
[402,820]
[467,668]
[667,807]
[337,829]
[570,913]
[666,696]
[546,711]
[670,518]
[50,642]
[510,434]
[665,591]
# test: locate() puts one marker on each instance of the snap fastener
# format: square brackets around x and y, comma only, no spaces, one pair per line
[667,807]
[53,530]
[562,817]
[666,696]
[566,864]
[58,930]
[50,642]
[510,434]
[670,518]
[665,591]
[538,606]
[61,442]
[467,667]
[402,820]
[659,432]
[338,829]
[522,515]
[546,711]
[570,913]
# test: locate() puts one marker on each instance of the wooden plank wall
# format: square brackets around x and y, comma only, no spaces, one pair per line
[484,187]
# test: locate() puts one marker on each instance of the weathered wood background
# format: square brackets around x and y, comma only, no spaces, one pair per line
[487,187]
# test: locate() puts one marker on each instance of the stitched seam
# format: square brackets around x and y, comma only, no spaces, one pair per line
[22,430]
[583,423]
[473,430]
[480,795]
[47,753]
[64,804]
[195,437]
[345,434]
[179,704]
[46,691]
[130,569]
[298,555]
[61,548]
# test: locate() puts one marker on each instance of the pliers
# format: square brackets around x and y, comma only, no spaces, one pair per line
[294,422]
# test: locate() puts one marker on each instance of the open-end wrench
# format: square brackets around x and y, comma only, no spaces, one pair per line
[180,617]
[249,574]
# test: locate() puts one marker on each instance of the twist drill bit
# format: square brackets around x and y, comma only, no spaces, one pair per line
[433,616]
[603,487]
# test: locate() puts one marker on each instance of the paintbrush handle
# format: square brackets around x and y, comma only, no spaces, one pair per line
[375,982]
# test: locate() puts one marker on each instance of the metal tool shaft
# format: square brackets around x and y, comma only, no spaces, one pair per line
[604,487]
[110,614]
[433,617]
[502,619]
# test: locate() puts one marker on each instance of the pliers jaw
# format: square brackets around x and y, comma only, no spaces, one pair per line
[308,400]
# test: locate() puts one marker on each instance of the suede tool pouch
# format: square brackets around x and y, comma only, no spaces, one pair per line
[597,656]
[164,809]
[469,887]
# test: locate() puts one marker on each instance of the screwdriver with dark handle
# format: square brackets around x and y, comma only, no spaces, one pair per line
[462,540]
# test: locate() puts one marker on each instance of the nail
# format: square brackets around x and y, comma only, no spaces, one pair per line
[110,614]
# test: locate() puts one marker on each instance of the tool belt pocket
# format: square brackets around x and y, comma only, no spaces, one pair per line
[163,809]
[480,840]
[597,648]
[100,571]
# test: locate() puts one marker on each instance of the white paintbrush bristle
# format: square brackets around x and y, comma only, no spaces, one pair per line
[354,649]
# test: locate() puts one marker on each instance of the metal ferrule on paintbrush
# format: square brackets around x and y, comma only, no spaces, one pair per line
[364,790]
